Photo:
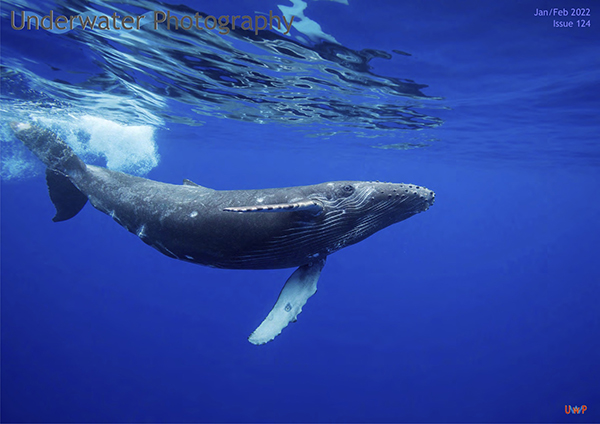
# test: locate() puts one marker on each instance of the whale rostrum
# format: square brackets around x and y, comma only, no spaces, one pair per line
[292,227]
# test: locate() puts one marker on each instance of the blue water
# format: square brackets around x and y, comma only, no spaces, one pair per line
[482,309]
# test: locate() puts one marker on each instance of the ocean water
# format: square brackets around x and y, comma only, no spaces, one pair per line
[482,309]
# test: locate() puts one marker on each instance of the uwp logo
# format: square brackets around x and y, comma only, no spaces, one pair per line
[575,409]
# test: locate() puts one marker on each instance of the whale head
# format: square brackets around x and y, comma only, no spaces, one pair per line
[358,209]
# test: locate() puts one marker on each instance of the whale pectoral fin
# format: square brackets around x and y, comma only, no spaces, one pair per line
[303,206]
[301,285]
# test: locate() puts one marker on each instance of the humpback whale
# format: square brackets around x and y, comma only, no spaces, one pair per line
[236,229]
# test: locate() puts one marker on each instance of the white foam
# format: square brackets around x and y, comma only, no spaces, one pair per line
[126,148]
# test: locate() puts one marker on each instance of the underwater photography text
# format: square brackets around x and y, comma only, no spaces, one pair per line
[223,24]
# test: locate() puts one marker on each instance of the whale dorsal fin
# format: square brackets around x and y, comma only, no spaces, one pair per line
[190,183]
[300,206]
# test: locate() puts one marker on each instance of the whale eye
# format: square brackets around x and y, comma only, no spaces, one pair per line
[348,189]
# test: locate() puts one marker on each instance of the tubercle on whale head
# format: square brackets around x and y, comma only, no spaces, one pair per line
[403,200]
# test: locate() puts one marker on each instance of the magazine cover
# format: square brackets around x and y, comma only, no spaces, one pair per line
[300,211]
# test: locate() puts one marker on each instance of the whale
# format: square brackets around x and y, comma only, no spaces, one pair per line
[291,227]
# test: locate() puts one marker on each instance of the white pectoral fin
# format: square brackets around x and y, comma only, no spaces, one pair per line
[301,206]
[301,285]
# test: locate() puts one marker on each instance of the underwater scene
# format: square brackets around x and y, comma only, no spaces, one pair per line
[300,211]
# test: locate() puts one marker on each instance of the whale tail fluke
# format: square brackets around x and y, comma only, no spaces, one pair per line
[67,198]
[62,166]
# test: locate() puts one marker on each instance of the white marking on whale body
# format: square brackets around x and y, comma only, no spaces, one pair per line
[189,257]
[141,233]
[194,214]
[162,246]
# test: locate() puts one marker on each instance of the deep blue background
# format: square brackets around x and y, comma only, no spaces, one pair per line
[484,308]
